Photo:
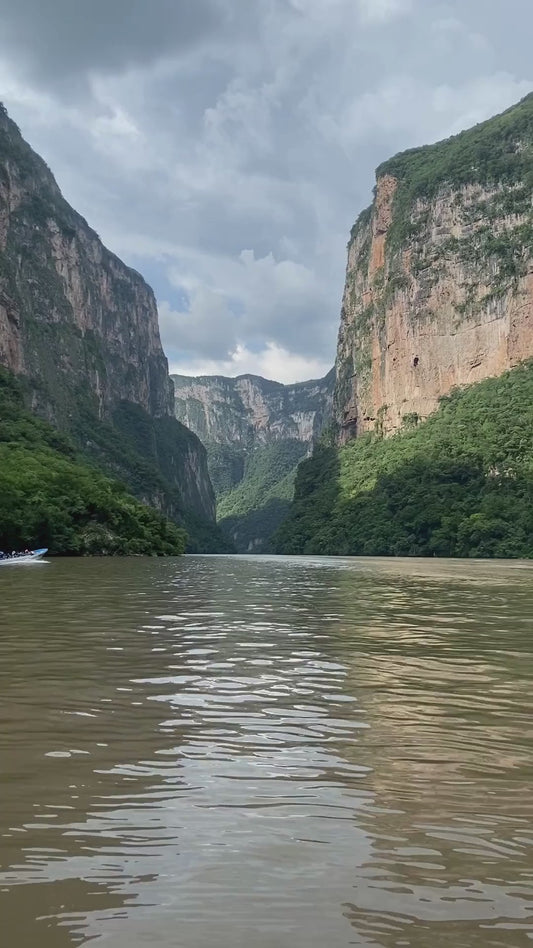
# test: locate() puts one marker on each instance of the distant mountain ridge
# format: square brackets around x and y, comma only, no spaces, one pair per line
[251,410]
[255,431]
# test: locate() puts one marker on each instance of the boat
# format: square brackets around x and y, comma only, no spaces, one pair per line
[31,557]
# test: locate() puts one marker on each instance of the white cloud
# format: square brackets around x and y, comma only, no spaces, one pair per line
[381,11]
[451,33]
[207,326]
[273,362]
[419,114]
[477,100]
[244,301]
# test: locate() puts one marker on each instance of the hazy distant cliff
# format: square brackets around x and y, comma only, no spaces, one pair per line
[439,283]
[250,410]
[82,329]
[256,431]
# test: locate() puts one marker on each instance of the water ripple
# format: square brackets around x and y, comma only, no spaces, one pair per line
[266,752]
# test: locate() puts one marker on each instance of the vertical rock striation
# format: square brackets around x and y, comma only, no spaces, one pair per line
[439,283]
[256,431]
[249,411]
[82,329]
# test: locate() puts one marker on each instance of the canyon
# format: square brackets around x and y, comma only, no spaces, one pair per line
[438,300]
[255,431]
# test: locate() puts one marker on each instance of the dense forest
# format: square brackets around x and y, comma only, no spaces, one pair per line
[252,510]
[459,484]
[51,497]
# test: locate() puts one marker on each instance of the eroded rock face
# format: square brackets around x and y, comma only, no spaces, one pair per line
[61,290]
[255,432]
[250,411]
[439,291]
[81,326]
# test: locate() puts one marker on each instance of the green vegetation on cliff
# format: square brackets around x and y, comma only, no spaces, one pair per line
[255,432]
[50,497]
[498,153]
[459,484]
[253,510]
[149,455]
[226,466]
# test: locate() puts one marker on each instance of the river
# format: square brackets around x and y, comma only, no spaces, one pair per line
[255,752]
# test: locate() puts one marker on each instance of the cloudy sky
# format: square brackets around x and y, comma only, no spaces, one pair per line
[225,147]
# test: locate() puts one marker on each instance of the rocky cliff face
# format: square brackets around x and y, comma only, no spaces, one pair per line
[68,306]
[439,284]
[249,411]
[82,329]
[255,432]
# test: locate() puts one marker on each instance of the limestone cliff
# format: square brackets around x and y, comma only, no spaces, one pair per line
[439,284]
[249,411]
[81,328]
[255,431]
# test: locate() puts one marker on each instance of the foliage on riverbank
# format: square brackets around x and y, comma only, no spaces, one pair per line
[49,497]
[459,484]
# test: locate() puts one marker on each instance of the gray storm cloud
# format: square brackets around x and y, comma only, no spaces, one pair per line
[224,148]
[60,37]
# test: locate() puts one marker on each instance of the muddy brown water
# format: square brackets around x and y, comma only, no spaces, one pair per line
[266,753]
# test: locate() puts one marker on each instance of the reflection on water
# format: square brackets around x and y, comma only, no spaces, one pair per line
[260,753]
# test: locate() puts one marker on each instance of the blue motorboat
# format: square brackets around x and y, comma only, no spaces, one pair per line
[28,556]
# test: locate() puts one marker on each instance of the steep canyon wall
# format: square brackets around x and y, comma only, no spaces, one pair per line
[256,431]
[81,328]
[439,283]
[249,411]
